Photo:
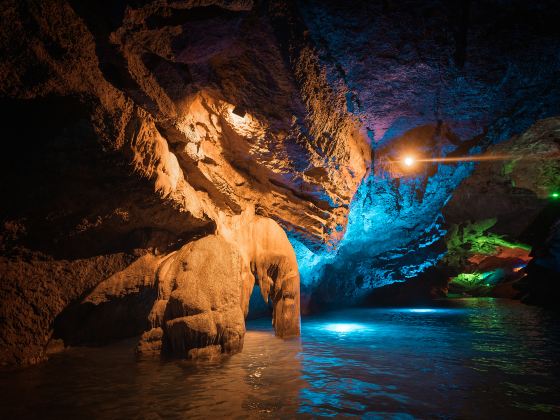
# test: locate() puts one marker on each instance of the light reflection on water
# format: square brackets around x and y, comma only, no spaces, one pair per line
[471,358]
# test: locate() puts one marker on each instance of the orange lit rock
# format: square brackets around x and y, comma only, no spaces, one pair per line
[515,255]
[192,302]
[203,290]
[199,293]
[136,151]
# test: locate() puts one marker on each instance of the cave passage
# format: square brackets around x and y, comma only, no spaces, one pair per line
[280,209]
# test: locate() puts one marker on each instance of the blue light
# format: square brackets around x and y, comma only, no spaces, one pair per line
[421,310]
[431,311]
[341,327]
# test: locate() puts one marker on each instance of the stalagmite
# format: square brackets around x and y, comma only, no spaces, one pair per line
[204,289]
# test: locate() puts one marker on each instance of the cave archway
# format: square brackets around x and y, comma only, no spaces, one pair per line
[258,308]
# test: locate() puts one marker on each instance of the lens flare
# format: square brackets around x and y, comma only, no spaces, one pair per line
[492,157]
[410,162]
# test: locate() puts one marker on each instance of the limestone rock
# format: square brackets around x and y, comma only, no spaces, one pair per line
[134,146]
[515,188]
[199,294]
[116,308]
[204,289]
[192,303]
[426,82]
[504,214]
[34,291]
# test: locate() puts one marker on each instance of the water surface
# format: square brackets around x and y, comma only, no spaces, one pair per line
[466,358]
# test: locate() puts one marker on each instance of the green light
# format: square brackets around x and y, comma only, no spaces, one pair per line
[469,239]
[555,195]
[473,280]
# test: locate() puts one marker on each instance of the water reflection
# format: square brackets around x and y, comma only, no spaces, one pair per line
[468,358]
[263,381]
[458,359]
[345,327]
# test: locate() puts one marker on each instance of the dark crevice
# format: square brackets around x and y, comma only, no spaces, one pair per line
[183,16]
[461,35]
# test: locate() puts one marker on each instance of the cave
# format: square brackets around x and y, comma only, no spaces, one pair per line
[280,209]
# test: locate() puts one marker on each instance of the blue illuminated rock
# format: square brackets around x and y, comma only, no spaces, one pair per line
[422,83]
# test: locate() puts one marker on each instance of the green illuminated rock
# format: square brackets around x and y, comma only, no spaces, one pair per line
[471,238]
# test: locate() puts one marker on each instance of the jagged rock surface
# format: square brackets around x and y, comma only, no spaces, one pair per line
[512,199]
[35,290]
[431,79]
[134,145]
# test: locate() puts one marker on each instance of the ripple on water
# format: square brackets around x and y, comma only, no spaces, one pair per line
[470,358]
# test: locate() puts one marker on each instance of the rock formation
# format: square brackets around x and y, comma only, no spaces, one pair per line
[204,289]
[192,302]
[149,122]
[505,214]
[198,310]
[431,79]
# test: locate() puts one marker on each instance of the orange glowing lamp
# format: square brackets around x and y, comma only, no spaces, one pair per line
[409,161]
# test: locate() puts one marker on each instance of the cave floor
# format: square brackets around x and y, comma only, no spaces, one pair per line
[463,358]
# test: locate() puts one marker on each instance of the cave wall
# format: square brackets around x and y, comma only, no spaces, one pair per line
[429,79]
[138,128]
[503,220]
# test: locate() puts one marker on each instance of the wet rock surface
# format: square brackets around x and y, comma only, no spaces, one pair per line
[198,312]
[500,227]
[203,290]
